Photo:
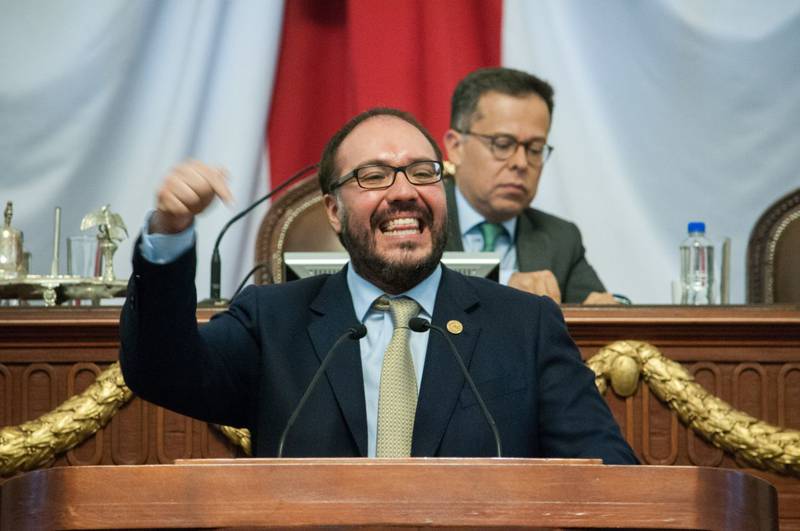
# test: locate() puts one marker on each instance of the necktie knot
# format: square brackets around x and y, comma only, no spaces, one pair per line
[401,309]
[490,232]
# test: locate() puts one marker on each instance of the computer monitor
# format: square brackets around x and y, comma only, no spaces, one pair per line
[302,265]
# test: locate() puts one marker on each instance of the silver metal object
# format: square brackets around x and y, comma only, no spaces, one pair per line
[12,260]
[111,229]
[725,273]
[56,242]
[55,288]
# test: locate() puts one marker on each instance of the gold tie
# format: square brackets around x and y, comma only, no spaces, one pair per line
[397,400]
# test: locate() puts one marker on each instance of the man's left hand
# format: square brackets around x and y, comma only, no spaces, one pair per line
[599,298]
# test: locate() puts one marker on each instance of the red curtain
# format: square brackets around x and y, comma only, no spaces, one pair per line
[341,57]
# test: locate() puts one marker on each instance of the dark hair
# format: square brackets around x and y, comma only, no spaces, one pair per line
[328,172]
[507,81]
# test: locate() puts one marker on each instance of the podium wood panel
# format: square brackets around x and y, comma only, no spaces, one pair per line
[748,355]
[457,493]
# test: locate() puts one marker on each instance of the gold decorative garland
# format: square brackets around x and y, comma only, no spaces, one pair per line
[239,437]
[755,442]
[35,444]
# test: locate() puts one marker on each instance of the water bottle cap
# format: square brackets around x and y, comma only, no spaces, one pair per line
[697,226]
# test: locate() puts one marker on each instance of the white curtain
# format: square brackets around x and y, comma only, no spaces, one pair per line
[98,99]
[666,112]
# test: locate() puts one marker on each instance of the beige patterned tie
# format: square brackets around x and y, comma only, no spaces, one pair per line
[397,401]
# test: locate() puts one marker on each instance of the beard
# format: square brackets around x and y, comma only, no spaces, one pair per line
[392,276]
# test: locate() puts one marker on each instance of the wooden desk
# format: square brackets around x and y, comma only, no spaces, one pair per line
[748,356]
[388,494]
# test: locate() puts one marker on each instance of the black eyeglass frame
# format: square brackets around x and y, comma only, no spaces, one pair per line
[344,179]
[547,149]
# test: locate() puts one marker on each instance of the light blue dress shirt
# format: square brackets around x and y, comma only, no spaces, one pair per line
[163,248]
[379,333]
[472,239]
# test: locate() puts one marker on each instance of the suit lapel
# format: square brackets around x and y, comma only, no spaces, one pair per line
[534,246]
[442,380]
[333,316]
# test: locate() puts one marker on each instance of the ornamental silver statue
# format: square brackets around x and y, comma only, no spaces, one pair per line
[12,260]
[111,229]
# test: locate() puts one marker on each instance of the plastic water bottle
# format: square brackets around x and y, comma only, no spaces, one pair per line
[697,266]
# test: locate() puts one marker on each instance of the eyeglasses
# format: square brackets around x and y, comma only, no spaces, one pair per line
[504,146]
[380,176]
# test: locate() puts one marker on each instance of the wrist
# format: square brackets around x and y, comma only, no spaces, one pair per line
[162,223]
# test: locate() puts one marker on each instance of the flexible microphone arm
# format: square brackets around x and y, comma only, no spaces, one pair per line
[216,265]
[354,332]
[418,324]
[262,265]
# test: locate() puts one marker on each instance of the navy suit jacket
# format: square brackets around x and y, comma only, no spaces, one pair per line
[250,364]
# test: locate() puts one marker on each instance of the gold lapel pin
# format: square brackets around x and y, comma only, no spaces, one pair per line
[455,327]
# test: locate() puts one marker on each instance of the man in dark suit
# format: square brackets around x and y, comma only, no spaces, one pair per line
[495,111]
[393,392]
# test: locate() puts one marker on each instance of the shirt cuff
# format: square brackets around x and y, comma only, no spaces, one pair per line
[164,248]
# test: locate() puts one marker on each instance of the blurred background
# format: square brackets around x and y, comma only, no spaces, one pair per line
[666,111]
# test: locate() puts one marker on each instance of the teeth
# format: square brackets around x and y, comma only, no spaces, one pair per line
[402,225]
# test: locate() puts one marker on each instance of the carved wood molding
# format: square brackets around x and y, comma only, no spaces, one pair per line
[623,363]
[758,443]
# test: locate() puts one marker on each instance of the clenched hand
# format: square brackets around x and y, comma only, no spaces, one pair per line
[186,191]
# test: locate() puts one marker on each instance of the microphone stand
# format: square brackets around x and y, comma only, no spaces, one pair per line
[418,324]
[214,298]
[354,333]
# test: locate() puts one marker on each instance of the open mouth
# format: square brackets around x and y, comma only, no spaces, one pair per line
[401,226]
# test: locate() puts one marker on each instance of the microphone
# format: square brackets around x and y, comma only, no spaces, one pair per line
[354,332]
[418,324]
[216,265]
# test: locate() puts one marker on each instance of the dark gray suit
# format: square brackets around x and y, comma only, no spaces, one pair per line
[543,241]
[249,366]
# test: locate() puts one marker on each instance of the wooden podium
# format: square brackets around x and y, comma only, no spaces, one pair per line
[381,493]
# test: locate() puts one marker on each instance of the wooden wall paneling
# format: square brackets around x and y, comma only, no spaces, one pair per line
[659,431]
[39,390]
[749,386]
[629,427]
[212,443]
[5,395]
[173,432]
[698,450]
[789,395]
[130,429]
[80,376]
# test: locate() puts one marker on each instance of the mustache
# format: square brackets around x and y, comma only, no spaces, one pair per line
[425,214]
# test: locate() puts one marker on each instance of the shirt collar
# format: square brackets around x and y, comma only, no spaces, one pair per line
[469,218]
[364,293]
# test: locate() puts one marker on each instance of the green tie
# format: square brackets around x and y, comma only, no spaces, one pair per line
[490,233]
[397,400]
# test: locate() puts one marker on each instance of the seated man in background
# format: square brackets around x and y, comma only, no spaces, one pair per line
[494,112]
[388,391]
